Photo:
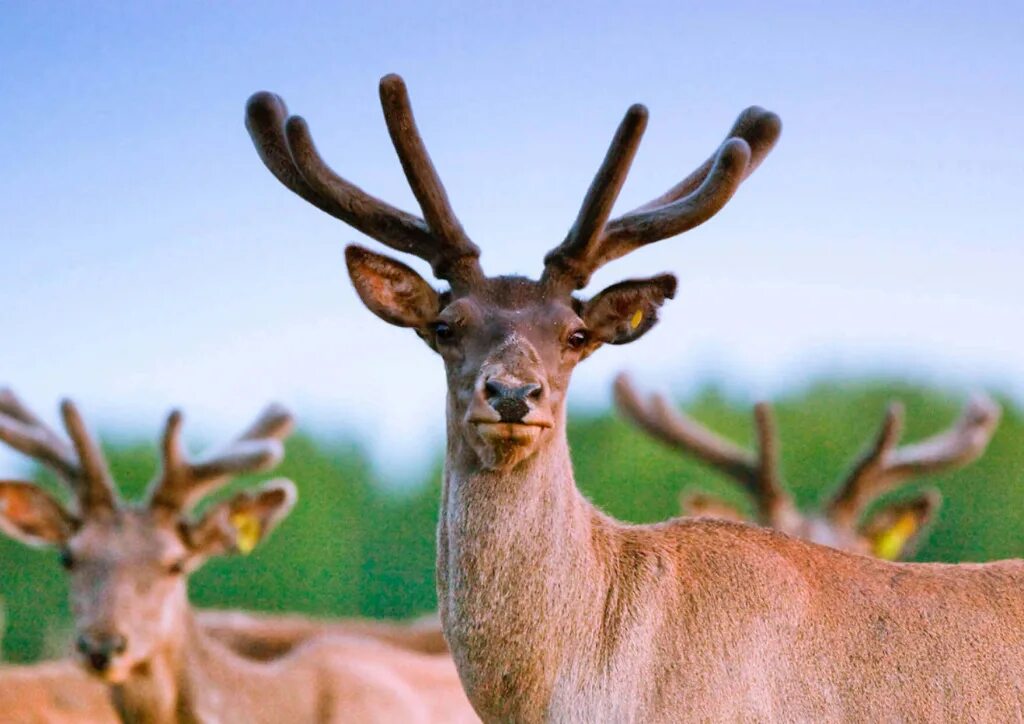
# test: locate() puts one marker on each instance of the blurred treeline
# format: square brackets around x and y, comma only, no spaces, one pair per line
[351,549]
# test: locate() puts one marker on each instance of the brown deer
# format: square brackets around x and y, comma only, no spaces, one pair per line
[553,610]
[263,635]
[128,566]
[892,531]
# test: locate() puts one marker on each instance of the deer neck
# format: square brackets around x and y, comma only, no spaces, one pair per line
[152,692]
[188,679]
[523,537]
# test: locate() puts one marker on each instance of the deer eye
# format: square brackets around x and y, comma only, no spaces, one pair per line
[578,339]
[176,568]
[67,561]
[444,332]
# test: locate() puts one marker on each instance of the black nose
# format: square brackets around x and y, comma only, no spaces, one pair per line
[510,401]
[99,651]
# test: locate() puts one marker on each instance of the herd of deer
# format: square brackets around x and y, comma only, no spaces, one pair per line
[549,609]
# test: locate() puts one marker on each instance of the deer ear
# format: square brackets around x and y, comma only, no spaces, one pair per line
[700,505]
[239,524]
[30,515]
[894,530]
[391,290]
[623,312]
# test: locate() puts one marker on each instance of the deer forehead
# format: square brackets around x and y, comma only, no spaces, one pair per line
[129,535]
[524,311]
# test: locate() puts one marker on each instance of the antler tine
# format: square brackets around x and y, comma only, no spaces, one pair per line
[182,483]
[884,465]
[759,128]
[281,141]
[772,499]
[265,116]
[97,487]
[662,421]
[635,229]
[569,258]
[423,179]
[26,433]
[689,203]
[758,474]
[286,148]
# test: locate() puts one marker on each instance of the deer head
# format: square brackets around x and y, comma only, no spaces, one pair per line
[892,531]
[127,564]
[509,343]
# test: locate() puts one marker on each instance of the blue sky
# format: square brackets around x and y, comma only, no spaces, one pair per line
[150,260]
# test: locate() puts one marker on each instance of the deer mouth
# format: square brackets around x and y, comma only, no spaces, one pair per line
[515,432]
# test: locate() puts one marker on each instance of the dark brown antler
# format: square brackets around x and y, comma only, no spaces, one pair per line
[183,482]
[757,473]
[286,148]
[885,465]
[593,240]
[80,465]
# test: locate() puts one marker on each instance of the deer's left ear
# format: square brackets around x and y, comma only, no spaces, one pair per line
[625,311]
[894,530]
[30,515]
[241,523]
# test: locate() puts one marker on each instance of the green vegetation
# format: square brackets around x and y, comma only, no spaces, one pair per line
[350,549]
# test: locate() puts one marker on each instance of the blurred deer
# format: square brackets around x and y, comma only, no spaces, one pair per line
[553,610]
[892,531]
[262,635]
[128,566]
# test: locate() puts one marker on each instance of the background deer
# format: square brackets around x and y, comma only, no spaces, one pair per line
[254,635]
[892,531]
[128,567]
[555,611]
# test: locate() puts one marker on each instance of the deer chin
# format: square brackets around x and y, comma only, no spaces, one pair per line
[505,444]
[117,673]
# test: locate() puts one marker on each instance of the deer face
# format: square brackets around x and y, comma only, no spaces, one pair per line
[127,583]
[509,344]
[128,564]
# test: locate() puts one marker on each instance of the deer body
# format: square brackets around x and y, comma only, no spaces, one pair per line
[330,679]
[698,619]
[54,692]
[59,692]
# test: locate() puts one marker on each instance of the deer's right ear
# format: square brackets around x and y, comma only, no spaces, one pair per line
[28,514]
[392,290]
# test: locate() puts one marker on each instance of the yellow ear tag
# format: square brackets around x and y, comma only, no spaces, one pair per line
[888,544]
[638,316]
[247,531]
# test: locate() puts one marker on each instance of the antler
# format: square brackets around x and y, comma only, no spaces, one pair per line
[757,472]
[593,240]
[182,482]
[80,465]
[885,465]
[286,147]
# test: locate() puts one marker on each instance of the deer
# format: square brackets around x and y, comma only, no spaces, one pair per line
[892,531]
[263,635]
[555,611]
[128,566]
